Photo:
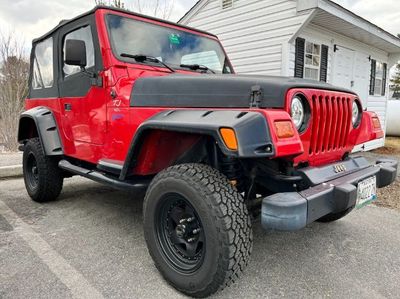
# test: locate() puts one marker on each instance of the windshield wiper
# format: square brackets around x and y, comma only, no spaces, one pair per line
[196,67]
[143,58]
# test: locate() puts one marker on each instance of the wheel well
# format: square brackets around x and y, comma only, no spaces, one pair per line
[27,129]
[161,149]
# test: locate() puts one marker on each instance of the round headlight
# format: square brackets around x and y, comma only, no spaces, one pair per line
[297,112]
[356,114]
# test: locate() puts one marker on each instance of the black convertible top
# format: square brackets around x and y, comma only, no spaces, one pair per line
[110,8]
[218,91]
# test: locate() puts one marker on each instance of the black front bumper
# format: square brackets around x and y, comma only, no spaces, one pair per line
[331,193]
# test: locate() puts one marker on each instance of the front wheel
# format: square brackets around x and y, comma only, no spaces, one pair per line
[43,178]
[197,229]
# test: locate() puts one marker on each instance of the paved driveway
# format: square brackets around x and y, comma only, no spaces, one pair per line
[90,244]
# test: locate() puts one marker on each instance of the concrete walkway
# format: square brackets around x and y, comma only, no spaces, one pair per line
[10,165]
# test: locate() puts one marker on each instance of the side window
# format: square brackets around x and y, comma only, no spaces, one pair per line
[43,74]
[85,35]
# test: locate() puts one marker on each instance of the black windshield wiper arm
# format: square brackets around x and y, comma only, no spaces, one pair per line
[196,67]
[143,58]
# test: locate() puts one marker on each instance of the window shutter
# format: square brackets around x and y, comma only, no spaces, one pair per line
[299,62]
[372,81]
[384,79]
[324,63]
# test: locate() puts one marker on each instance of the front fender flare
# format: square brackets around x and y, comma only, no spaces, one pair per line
[251,128]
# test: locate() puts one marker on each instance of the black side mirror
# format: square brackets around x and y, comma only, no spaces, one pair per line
[75,52]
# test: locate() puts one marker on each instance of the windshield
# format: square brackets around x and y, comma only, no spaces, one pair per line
[175,47]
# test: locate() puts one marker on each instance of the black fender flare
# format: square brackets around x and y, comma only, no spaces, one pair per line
[251,128]
[46,128]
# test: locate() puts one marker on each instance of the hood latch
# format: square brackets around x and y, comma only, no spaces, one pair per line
[256,96]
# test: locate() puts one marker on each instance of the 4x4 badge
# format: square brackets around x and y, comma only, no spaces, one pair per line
[339,168]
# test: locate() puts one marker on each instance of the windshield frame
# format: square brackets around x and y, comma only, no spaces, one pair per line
[153,22]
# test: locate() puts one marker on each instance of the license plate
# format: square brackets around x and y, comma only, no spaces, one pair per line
[366,192]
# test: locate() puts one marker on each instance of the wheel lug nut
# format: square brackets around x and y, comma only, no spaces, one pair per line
[191,240]
[196,231]
[190,219]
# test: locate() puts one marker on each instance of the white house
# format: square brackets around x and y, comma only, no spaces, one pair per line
[315,39]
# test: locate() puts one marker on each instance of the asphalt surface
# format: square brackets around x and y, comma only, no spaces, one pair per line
[89,244]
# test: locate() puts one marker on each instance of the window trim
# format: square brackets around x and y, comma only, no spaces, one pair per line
[374,77]
[311,66]
[227,62]
[64,35]
[35,63]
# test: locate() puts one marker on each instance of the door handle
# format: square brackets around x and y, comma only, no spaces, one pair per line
[67,107]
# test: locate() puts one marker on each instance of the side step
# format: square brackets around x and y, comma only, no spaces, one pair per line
[139,184]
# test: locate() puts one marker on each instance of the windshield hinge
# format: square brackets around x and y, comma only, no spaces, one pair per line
[256,96]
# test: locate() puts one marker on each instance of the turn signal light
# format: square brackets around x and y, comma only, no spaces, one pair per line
[376,122]
[284,129]
[229,137]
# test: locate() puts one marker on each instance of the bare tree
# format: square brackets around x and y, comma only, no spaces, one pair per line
[157,8]
[14,74]
[114,3]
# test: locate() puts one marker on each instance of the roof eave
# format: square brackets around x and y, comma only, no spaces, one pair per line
[348,16]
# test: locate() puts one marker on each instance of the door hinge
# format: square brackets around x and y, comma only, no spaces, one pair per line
[256,96]
[335,48]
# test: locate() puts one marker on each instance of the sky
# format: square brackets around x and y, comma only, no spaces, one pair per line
[32,18]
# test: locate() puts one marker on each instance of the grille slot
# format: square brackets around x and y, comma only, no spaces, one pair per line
[331,123]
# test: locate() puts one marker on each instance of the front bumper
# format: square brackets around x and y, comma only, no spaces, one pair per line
[330,193]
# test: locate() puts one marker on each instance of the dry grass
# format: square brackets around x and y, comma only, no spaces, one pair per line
[392,147]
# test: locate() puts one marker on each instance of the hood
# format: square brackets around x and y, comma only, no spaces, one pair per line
[218,91]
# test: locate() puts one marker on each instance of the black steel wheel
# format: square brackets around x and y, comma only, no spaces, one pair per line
[180,233]
[32,174]
[197,229]
[43,179]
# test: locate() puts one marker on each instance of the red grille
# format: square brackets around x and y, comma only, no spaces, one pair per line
[331,121]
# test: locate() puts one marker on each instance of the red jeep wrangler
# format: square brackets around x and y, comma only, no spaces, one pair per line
[142,104]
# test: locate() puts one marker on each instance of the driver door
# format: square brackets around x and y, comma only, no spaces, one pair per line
[83,104]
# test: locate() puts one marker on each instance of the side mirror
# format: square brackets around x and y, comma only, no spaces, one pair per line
[75,52]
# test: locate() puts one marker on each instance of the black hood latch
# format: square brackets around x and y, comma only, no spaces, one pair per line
[256,96]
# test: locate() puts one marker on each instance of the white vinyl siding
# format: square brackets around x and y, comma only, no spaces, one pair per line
[252,32]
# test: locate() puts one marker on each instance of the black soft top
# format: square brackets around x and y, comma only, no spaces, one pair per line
[92,11]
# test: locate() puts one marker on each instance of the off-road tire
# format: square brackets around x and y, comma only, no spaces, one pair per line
[225,220]
[48,181]
[334,216]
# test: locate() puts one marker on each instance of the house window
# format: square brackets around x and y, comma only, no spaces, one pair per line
[227,3]
[43,75]
[312,61]
[378,78]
